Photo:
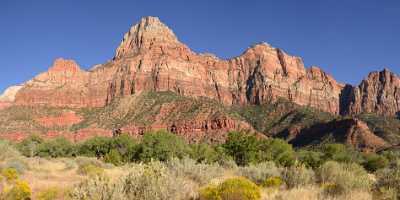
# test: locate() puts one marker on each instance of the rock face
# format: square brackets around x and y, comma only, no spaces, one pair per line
[378,93]
[150,57]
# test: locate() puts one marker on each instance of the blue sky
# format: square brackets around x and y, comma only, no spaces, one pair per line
[347,38]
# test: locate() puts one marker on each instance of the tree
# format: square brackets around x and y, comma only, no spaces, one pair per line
[29,146]
[96,146]
[242,147]
[59,147]
[162,146]
[126,146]
[276,150]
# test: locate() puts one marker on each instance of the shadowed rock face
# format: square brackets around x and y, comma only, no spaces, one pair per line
[353,132]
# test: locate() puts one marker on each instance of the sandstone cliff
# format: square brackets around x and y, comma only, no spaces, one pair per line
[379,93]
[150,57]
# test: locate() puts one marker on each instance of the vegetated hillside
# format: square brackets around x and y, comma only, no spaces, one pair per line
[193,118]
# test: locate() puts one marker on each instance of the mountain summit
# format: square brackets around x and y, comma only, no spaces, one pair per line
[149,33]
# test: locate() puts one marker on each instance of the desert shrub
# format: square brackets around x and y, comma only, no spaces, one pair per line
[199,172]
[298,176]
[232,189]
[19,191]
[311,159]
[7,151]
[203,153]
[259,172]
[16,163]
[242,147]
[340,153]
[272,182]
[152,182]
[10,174]
[342,178]
[59,147]
[95,147]
[276,150]
[48,194]
[162,146]
[97,188]
[388,180]
[391,154]
[29,146]
[374,162]
[113,157]
[210,192]
[90,170]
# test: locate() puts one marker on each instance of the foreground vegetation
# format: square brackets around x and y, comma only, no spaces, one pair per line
[162,166]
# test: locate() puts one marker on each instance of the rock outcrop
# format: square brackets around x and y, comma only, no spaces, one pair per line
[379,93]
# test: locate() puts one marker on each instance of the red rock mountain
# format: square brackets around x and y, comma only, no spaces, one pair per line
[151,58]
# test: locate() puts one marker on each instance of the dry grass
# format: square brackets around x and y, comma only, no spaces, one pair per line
[313,193]
[46,174]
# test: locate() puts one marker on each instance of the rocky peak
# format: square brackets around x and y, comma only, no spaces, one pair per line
[148,33]
[63,65]
[378,93]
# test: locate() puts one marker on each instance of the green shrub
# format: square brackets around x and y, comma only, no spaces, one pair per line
[232,189]
[19,191]
[311,159]
[272,182]
[203,153]
[276,150]
[59,147]
[242,147]
[198,172]
[210,192]
[340,153]
[113,157]
[10,174]
[345,177]
[298,176]
[95,147]
[48,194]
[126,146]
[29,146]
[388,179]
[162,146]
[259,172]
[374,162]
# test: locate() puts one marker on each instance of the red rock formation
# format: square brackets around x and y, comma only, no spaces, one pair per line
[150,57]
[65,119]
[378,93]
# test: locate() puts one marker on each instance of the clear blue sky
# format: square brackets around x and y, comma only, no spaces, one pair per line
[347,38]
